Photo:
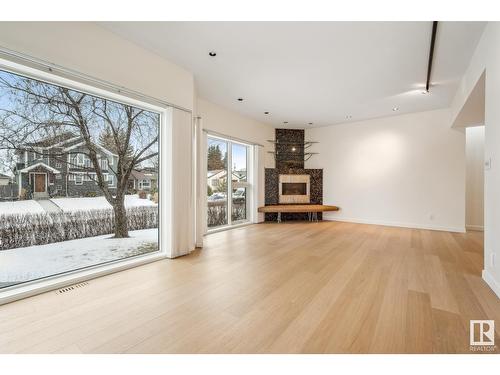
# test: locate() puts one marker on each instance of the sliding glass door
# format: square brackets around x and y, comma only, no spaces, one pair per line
[227,182]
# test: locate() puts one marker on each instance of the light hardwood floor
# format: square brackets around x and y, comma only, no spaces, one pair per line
[325,287]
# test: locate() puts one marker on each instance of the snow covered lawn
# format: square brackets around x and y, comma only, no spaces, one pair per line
[28,263]
[70,205]
[98,203]
[20,207]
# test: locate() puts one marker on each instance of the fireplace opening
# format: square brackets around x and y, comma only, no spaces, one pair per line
[294,188]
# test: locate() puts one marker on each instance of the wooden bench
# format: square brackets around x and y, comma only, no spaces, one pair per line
[311,209]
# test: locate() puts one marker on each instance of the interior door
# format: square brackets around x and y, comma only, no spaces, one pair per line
[39,183]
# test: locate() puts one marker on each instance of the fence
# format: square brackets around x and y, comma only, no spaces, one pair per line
[8,192]
[21,230]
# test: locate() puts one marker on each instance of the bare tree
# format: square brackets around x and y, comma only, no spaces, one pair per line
[30,110]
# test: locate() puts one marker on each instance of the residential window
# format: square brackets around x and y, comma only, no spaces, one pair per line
[104,164]
[110,180]
[145,184]
[88,163]
[78,179]
[71,177]
[58,165]
[59,187]
[58,176]
[80,159]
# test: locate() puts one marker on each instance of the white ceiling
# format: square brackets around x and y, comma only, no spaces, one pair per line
[317,72]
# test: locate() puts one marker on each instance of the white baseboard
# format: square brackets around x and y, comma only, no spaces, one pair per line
[492,283]
[478,228]
[396,224]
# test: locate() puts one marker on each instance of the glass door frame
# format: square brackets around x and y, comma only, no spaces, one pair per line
[230,186]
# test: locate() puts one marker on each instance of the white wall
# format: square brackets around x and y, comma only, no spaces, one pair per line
[474,183]
[486,58]
[405,170]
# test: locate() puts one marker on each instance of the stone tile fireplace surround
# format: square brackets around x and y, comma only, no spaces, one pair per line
[285,138]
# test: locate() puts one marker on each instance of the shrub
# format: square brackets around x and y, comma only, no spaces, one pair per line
[142,194]
[90,194]
[23,230]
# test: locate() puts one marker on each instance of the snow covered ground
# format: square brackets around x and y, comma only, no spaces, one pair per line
[29,263]
[70,204]
[20,207]
[98,203]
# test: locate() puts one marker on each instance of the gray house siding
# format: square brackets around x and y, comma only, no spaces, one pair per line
[64,183]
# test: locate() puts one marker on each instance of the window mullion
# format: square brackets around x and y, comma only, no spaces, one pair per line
[229,183]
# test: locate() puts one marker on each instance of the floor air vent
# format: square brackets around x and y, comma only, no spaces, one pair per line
[72,287]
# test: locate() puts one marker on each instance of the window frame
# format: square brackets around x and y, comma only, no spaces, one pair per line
[78,175]
[104,163]
[75,81]
[248,184]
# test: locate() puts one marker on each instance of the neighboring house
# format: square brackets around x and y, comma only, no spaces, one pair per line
[4,179]
[60,166]
[217,177]
[143,179]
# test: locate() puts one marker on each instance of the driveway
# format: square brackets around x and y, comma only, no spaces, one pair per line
[48,205]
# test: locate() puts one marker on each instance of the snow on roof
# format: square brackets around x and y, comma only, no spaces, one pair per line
[40,164]
[95,144]
[54,140]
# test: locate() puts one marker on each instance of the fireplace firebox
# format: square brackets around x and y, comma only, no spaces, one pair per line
[294,188]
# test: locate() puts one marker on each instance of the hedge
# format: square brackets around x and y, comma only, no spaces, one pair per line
[21,230]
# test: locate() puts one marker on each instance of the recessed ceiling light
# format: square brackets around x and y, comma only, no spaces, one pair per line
[240,99]
[395,109]
[293,148]
[266,112]
[212,54]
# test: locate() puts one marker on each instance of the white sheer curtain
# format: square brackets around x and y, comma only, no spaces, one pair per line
[201,182]
[183,206]
[258,182]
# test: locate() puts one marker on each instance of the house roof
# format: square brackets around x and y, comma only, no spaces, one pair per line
[138,175]
[238,174]
[4,176]
[95,144]
[40,164]
[54,140]
[214,172]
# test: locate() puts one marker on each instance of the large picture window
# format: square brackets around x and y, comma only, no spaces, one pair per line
[227,176]
[94,146]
